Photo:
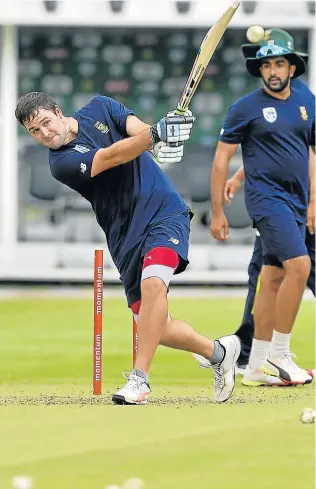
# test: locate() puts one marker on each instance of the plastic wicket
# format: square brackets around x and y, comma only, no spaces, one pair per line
[98,322]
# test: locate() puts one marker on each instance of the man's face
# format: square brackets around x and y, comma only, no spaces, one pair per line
[276,73]
[47,128]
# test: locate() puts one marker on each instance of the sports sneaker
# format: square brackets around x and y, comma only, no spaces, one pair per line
[240,369]
[256,378]
[311,372]
[224,372]
[135,391]
[286,369]
[203,362]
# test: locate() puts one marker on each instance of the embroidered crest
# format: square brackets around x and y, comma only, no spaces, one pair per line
[101,127]
[304,113]
[270,114]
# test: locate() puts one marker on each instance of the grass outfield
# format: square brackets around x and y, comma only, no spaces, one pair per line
[52,429]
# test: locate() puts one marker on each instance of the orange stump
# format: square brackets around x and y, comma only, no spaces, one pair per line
[98,321]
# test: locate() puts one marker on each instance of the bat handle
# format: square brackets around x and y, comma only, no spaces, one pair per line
[180,110]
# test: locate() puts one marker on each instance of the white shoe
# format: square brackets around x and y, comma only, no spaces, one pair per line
[240,370]
[256,378]
[135,391]
[204,362]
[224,372]
[286,369]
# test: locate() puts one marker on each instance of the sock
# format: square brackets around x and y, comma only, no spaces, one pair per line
[142,374]
[259,353]
[280,345]
[218,353]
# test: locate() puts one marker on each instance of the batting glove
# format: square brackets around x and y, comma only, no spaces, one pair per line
[163,153]
[172,129]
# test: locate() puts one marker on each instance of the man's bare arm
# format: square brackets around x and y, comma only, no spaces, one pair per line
[311,212]
[223,155]
[135,126]
[233,185]
[312,168]
[120,152]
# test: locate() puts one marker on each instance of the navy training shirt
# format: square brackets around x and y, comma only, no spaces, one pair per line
[275,136]
[126,199]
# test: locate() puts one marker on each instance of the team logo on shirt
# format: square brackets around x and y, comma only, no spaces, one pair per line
[101,127]
[270,114]
[304,113]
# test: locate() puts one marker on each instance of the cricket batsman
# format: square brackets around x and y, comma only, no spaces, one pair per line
[101,151]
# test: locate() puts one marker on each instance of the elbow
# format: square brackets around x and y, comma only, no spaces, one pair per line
[100,165]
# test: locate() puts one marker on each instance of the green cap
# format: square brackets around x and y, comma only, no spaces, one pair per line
[275,43]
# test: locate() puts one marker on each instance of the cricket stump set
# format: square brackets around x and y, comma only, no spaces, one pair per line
[98,323]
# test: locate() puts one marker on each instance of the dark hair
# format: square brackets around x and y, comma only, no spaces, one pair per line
[30,103]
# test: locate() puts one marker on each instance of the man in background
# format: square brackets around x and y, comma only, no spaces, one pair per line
[275,127]
[246,330]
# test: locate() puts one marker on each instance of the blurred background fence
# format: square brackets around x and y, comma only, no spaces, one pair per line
[139,52]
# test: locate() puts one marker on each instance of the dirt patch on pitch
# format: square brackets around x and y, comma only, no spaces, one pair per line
[267,395]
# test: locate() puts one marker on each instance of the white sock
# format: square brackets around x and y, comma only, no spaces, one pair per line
[259,353]
[280,345]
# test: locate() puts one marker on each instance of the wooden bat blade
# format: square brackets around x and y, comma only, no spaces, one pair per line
[206,51]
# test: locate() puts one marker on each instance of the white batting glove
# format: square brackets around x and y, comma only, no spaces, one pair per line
[163,153]
[172,129]
[187,113]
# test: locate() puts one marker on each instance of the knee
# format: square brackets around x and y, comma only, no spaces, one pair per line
[153,289]
[299,268]
[271,283]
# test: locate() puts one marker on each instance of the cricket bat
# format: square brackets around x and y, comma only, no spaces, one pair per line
[206,51]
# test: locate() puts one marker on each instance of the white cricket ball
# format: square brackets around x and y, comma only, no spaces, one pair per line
[22,482]
[133,483]
[308,416]
[255,33]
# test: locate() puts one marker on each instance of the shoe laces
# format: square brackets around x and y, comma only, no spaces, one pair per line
[290,357]
[134,382]
[219,380]
[203,365]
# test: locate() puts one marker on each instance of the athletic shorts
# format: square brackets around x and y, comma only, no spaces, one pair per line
[172,232]
[283,238]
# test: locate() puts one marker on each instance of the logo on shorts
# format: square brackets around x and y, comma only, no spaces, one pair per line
[270,114]
[304,113]
[174,241]
[83,167]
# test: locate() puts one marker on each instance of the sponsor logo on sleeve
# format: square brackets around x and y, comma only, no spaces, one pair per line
[81,149]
